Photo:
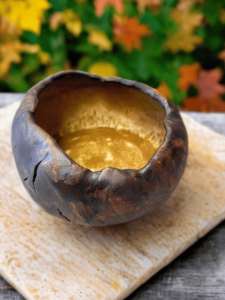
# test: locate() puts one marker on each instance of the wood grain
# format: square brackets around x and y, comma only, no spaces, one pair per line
[174,291]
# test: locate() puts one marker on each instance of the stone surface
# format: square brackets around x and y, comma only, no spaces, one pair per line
[199,273]
[215,121]
[9,98]
[145,244]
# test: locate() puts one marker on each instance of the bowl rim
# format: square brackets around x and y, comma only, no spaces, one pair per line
[144,88]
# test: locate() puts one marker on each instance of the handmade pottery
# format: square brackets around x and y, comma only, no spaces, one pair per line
[98,151]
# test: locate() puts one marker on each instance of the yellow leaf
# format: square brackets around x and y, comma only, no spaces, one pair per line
[39,4]
[184,38]
[187,4]
[181,41]
[44,58]
[99,39]
[151,4]
[186,19]
[74,27]
[222,16]
[3,8]
[4,67]
[8,29]
[29,48]
[73,24]
[13,12]
[31,21]
[10,53]
[56,20]
[26,14]
[104,69]
[69,18]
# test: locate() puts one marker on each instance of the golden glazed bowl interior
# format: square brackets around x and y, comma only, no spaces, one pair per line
[101,126]
[98,151]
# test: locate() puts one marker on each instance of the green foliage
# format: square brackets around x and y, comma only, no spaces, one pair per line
[151,63]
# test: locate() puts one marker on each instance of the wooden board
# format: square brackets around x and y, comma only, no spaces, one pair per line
[45,258]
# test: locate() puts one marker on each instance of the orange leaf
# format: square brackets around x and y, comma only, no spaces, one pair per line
[101,4]
[164,90]
[193,103]
[222,55]
[128,32]
[202,105]
[188,75]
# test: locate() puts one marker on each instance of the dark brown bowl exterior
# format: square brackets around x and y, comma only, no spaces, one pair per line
[110,196]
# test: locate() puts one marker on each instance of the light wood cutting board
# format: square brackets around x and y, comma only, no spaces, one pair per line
[47,258]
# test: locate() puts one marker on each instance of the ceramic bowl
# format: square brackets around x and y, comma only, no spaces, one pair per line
[115,179]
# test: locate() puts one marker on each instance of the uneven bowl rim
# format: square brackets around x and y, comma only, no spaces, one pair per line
[39,87]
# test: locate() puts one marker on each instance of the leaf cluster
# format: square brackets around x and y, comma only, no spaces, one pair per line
[152,63]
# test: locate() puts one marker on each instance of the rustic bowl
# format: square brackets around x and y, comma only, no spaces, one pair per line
[71,100]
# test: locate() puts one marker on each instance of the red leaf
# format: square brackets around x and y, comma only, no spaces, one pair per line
[210,92]
[207,84]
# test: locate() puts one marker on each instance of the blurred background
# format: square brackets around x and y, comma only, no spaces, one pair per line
[176,46]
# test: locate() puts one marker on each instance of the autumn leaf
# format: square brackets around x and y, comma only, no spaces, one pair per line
[101,4]
[200,104]
[56,20]
[128,31]
[187,4]
[10,52]
[222,16]
[210,92]
[188,75]
[184,38]
[222,55]
[9,30]
[151,4]
[182,42]
[186,19]
[27,15]
[195,104]
[44,57]
[164,90]
[208,84]
[69,18]
[99,39]
[104,69]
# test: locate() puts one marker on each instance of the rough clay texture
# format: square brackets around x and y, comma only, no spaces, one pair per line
[110,196]
[47,258]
